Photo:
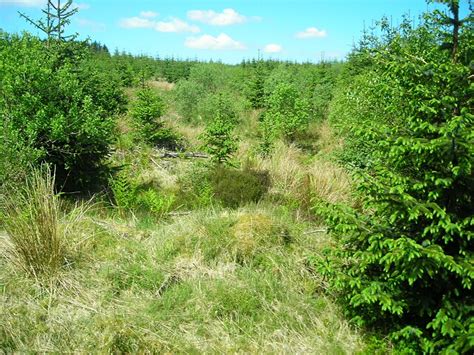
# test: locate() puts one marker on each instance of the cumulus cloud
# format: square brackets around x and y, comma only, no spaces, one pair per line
[137,22]
[176,25]
[210,17]
[221,42]
[311,32]
[30,3]
[272,48]
[148,14]
[173,25]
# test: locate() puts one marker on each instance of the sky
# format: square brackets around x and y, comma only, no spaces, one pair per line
[297,30]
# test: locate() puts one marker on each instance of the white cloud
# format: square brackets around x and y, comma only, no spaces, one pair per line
[148,14]
[176,25]
[93,25]
[173,25]
[311,32]
[221,42]
[30,3]
[272,48]
[224,18]
[137,22]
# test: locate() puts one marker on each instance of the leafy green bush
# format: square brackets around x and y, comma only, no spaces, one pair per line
[15,157]
[407,261]
[221,105]
[54,111]
[188,94]
[234,187]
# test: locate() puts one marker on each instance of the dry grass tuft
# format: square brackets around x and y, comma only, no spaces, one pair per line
[32,222]
[304,182]
[328,141]
[38,230]
[162,85]
[329,182]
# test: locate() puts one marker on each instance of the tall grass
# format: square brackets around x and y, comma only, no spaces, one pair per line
[296,179]
[32,221]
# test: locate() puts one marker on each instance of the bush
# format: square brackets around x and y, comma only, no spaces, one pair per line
[188,94]
[219,141]
[146,112]
[234,188]
[15,157]
[220,105]
[54,111]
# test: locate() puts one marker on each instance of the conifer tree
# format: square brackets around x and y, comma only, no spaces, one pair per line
[58,16]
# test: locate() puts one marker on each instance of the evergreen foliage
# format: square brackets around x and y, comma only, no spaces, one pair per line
[54,111]
[287,114]
[408,259]
[219,141]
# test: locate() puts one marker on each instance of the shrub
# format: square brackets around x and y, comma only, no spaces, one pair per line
[219,105]
[187,97]
[54,111]
[219,141]
[234,187]
[15,157]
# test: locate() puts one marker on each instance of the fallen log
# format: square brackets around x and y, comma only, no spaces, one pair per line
[186,155]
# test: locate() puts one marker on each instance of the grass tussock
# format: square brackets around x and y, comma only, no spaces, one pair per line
[295,178]
[38,230]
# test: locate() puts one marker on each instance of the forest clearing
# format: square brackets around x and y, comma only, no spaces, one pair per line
[165,205]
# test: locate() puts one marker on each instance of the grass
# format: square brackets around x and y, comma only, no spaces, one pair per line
[32,221]
[203,279]
[211,281]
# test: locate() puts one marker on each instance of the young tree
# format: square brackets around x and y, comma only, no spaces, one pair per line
[58,16]
[219,141]
[286,114]
[408,266]
[147,112]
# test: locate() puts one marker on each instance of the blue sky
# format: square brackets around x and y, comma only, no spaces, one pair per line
[222,30]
